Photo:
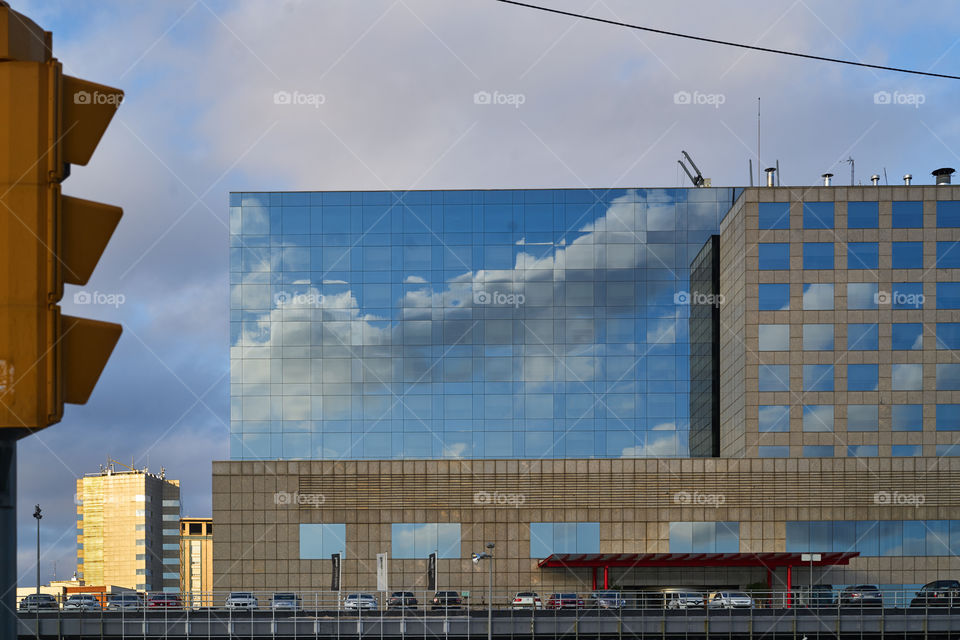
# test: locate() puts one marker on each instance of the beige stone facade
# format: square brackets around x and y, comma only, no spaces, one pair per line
[196,557]
[256,541]
[740,320]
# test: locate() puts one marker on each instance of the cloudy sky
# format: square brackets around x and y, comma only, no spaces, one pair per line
[246,96]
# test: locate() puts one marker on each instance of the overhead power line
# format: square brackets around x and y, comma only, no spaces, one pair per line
[725,43]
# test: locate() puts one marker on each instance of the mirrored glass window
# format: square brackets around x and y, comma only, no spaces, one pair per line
[863,255]
[773,337]
[862,337]
[773,418]
[818,337]
[818,418]
[862,377]
[818,377]
[773,256]
[863,215]
[907,255]
[907,214]
[862,295]
[818,215]
[818,297]
[906,336]
[774,215]
[906,417]
[773,297]
[862,417]
[818,255]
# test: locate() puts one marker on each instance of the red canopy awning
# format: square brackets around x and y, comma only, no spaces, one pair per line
[768,560]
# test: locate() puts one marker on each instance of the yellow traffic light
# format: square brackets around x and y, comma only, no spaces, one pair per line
[47,122]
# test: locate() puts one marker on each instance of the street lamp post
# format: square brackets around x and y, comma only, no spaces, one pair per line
[38,515]
[477,557]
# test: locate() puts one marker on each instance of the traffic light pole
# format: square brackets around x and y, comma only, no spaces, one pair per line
[8,532]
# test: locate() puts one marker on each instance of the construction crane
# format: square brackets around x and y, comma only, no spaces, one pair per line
[698,180]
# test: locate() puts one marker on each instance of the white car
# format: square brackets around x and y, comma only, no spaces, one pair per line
[684,600]
[730,600]
[82,602]
[241,600]
[358,601]
[527,600]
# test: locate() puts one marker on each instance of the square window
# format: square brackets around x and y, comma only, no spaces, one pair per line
[862,295]
[774,215]
[906,450]
[776,451]
[862,377]
[863,255]
[817,297]
[773,255]
[863,451]
[948,254]
[774,377]
[773,337]
[818,377]
[948,335]
[862,337]
[906,417]
[907,255]
[948,213]
[818,255]
[773,297]
[948,417]
[862,417]
[907,215]
[863,215]
[818,451]
[773,418]
[948,376]
[818,215]
[906,295]
[907,377]
[818,418]
[818,337]
[948,295]
[906,336]
[944,450]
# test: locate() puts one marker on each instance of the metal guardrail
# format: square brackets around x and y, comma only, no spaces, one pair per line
[325,601]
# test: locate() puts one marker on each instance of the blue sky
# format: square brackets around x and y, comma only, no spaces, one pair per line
[387,100]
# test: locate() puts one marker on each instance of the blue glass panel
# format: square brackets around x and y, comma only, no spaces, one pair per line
[818,377]
[817,297]
[906,417]
[774,215]
[818,451]
[774,377]
[862,337]
[862,417]
[773,297]
[798,537]
[319,541]
[906,295]
[907,255]
[862,295]
[818,418]
[818,215]
[773,451]
[906,336]
[906,450]
[948,254]
[863,215]
[773,255]
[863,451]
[948,213]
[907,214]
[948,376]
[906,377]
[773,418]
[890,536]
[948,335]
[863,377]
[948,295]
[863,255]
[818,255]
[948,417]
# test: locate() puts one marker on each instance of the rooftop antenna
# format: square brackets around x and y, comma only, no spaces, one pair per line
[778,173]
[758,142]
[698,180]
[850,160]
[750,169]
[885,176]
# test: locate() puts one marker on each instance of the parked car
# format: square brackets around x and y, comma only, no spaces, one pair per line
[286,601]
[527,600]
[861,595]
[171,600]
[39,602]
[606,600]
[402,600]
[124,602]
[446,600]
[939,593]
[683,600]
[82,602]
[241,600]
[730,600]
[564,601]
[360,601]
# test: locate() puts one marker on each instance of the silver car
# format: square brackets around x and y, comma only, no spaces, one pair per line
[286,601]
[684,600]
[82,602]
[730,600]
[241,600]
[124,602]
[359,601]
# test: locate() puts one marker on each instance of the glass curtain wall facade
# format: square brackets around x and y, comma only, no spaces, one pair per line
[464,324]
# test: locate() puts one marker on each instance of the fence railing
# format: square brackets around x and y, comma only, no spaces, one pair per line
[455,602]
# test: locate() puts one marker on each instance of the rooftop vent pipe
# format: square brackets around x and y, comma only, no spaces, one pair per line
[771,174]
[943,175]
[907,178]
[875,179]
[826,179]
